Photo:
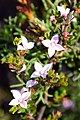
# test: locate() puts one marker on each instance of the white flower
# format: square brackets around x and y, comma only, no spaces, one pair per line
[31,83]
[52,45]
[64,12]
[41,71]
[25,44]
[22,69]
[20,98]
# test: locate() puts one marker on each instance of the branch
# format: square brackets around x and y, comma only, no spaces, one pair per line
[67,22]
[69,17]
[41,112]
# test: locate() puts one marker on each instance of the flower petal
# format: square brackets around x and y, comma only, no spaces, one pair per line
[37,66]
[30,45]
[44,75]
[23,104]
[46,43]
[58,47]
[55,38]
[23,68]
[16,94]
[23,90]
[67,11]
[73,19]
[61,9]
[14,102]
[51,51]
[20,47]
[47,67]
[35,74]
[31,83]
[24,41]
[26,95]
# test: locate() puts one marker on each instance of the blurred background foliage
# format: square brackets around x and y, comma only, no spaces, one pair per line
[34,24]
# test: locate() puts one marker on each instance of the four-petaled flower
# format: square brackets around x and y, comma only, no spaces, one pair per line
[41,71]
[20,98]
[25,44]
[31,83]
[64,12]
[67,103]
[52,45]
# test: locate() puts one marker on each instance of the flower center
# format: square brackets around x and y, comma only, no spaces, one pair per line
[64,15]
[52,44]
[41,72]
[20,100]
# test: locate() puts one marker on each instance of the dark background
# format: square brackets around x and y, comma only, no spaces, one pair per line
[7,8]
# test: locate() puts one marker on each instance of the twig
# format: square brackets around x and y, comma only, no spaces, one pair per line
[69,17]
[41,112]
[67,22]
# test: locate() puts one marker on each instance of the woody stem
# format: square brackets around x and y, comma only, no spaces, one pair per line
[42,110]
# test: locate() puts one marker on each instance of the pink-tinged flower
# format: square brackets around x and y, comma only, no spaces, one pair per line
[65,34]
[77,11]
[25,44]
[52,17]
[20,98]
[52,45]
[41,38]
[41,71]
[67,104]
[22,69]
[58,113]
[31,83]
[64,12]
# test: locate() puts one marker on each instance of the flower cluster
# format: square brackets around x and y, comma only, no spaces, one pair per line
[21,97]
[39,64]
